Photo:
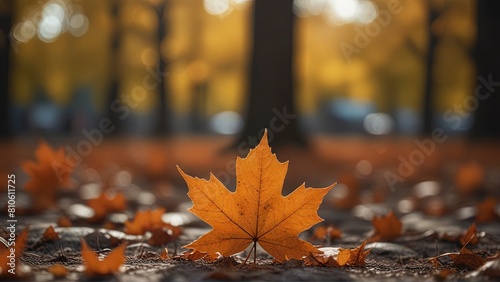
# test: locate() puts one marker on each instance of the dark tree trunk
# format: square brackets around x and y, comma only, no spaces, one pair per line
[162,126]
[270,100]
[114,85]
[5,27]
[487,116]
[428,103]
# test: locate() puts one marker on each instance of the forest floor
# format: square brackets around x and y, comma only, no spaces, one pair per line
[431,201]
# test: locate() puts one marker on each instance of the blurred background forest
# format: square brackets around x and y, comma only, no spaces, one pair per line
[370,67]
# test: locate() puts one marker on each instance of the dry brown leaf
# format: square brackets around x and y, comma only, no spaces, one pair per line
[151,221]
[107,203]
[327,233]
[58,270]
[256,212]
[469,178]
[467,259]
[325,259]
[464,259]
[64,221]
[50,234]
[50,172]
[469,236]
[17,246]
[164,235]
[386,227]
[109,225]
[193,255]
[353,257]
[96,267]
[164,254]
[144,221]
[486,211]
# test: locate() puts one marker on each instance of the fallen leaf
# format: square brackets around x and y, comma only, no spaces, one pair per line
[50,234]
[151,221]
[327,233]
[58,270]
[353,257]
[469,178]
[50,172]
[486,211]
[327,258]
[464,259]
[386,227]
[109,225]
[96,267]
[256,212]
[193,255]
[107,203]
[145,221]
[64,221]
[5,261]
[467,259]
[164,254]
[469,236]
[164,235]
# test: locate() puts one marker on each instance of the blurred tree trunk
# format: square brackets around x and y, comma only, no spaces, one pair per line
[270,101]
[428,103]
[114,85]
[5,27]
[487,116]
[162,126]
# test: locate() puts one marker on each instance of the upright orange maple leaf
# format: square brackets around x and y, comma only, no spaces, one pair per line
[50,172]
[256,212]
[386,227]
[96,267]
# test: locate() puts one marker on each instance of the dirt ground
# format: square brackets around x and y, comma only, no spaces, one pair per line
[151,167]
[404,259]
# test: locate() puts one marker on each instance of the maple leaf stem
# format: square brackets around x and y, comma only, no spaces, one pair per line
[254,253]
